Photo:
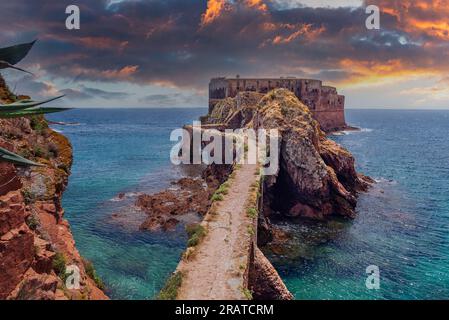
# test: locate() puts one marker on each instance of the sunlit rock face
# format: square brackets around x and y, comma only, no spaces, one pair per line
[317,177]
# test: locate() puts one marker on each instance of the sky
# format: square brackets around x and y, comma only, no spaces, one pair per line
[162,53]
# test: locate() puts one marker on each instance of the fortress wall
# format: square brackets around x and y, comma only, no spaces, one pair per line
[324,102]
[310,93]
[330,120]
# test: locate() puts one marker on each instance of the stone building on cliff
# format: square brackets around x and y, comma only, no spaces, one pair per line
[326,105]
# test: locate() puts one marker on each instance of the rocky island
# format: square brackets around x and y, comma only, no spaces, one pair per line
[316,179]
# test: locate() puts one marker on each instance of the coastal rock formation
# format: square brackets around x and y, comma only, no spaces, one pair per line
[235,112]
[187,195]
[316,177]
[264,281]
[36,243]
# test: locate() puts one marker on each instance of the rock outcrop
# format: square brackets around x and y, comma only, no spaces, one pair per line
[164,208]
[326,105]
[235,112]
[264,281]
[188,195]
[36,244]
[316,178]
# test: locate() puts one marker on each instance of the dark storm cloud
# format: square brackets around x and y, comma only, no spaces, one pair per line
[169,42]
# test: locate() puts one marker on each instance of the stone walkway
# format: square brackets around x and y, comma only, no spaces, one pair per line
[217,270]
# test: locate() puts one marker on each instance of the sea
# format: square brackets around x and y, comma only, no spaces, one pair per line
[401,229]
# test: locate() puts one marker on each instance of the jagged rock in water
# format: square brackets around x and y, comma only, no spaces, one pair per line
[187,195]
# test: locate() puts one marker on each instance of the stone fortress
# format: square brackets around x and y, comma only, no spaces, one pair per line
[326,105]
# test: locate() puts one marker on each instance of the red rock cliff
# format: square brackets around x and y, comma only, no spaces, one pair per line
[36,243]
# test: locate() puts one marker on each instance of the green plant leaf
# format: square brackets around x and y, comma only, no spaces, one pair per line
[31,112]
[24,104]
[9,156]
[15,54]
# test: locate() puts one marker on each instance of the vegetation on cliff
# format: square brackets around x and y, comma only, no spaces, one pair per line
[18,106]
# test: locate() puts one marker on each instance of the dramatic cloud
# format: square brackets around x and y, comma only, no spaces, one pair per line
[181,44]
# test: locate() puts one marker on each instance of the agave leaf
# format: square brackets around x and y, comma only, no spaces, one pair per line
[15,54]
[30,112]
[5,65]
[9,156]
[24,104]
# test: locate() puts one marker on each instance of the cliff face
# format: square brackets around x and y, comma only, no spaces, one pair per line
[317,177]
[36,244]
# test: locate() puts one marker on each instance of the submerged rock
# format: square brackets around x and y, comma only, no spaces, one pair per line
[165,209]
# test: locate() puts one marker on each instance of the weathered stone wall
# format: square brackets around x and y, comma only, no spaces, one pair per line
[326,104]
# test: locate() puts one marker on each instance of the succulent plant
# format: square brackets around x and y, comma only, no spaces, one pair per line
[9,156]
[8,58]
[23,108]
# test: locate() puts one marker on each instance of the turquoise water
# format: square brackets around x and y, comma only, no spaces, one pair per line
[402,224]
[122,151]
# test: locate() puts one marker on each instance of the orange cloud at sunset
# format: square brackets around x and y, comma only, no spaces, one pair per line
[419,17]
[437,29]
[183,43]
[301,30]
[214,10]
[368,72]
[258,4]
[101,42]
